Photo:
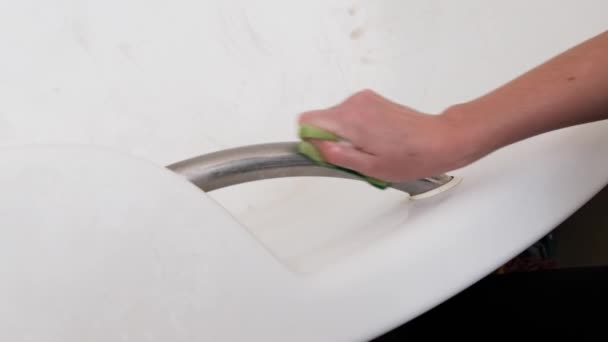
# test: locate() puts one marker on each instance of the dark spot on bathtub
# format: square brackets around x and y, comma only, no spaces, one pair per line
[366,60]
[125,50]
[352,10]
[571,78]
[80,34]
[357,33]
[56,90]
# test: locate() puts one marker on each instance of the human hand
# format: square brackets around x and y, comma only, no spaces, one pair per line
[390,141]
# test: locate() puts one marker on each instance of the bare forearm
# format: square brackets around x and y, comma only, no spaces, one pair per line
[570,89]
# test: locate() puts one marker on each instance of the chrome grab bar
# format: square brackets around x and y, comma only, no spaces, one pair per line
[274,160]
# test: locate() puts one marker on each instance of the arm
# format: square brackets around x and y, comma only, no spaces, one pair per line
[388,138]
[570,89]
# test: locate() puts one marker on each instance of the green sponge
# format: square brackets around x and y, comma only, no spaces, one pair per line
[312,132]
[309,150]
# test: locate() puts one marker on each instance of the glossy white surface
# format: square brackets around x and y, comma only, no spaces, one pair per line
[99,246]
[167,80]
[96,246]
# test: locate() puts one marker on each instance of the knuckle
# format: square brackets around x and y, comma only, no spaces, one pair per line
[362,96]
[310,115]
[367,93]
[330,151]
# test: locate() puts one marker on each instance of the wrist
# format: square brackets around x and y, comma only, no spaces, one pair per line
[473,136]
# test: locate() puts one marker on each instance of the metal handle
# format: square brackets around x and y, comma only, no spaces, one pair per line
[275,160]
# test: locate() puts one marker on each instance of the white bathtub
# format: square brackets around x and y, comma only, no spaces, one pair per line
[291,259]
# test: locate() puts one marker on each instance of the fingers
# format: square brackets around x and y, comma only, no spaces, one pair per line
[345,156]
[348,119]
[334,120]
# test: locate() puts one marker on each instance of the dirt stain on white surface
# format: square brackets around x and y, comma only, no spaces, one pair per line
[253,34]
[357,33]
[366,60]
[125,50]
[6,129]
[80,36]
[352,10]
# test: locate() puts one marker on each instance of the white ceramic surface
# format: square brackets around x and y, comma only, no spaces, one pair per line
[166,80]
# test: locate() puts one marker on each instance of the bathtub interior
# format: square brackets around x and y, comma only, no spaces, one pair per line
[320,220]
